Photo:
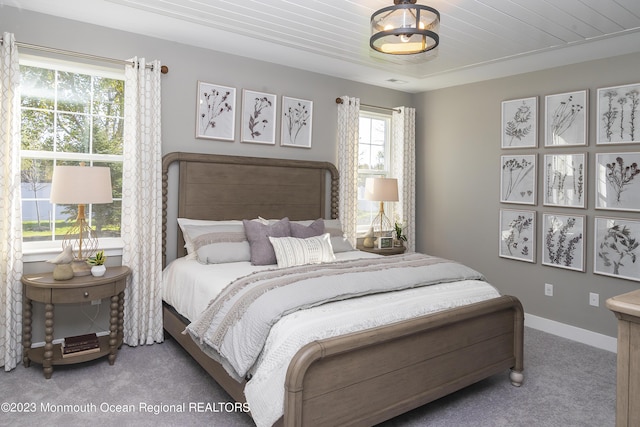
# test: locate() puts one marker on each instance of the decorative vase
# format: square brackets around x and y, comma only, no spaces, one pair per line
[62,272]
[98,270]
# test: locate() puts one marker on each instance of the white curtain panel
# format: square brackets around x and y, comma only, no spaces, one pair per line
[142,204]
[10,207]
[348,127]
[403,145]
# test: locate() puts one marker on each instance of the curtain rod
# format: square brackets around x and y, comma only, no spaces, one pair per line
[163,69]
[339,101]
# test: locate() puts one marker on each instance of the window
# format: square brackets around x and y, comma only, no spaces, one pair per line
[374,160]
[71,114]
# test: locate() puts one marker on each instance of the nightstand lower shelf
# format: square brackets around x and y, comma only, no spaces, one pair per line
[36,354]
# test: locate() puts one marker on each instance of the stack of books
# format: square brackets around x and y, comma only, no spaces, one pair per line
[81,344]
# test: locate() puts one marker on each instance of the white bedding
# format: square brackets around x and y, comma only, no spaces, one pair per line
[191,294]
[189,286]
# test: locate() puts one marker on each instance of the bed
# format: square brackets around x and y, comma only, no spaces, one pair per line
[358,378]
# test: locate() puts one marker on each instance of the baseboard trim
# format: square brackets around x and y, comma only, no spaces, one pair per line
[574,333]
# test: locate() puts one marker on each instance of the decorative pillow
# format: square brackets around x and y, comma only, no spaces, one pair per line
[258,235]
[291,251]
[220,242]
[338,241]
[332,226]
[188,244]
[302,231]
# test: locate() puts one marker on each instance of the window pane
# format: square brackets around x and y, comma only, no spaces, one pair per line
[36,220]
[108,97]
[74,92]
[37,87]
[107,135]
[72,133]
[36,130]
[105,219]
[367,209]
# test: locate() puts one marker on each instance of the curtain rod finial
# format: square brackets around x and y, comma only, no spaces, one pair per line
[338,100]
[164,69]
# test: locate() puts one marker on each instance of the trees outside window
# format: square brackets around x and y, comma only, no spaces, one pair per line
[71,114]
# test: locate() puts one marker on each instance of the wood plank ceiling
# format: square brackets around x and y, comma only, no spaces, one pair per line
[332,36]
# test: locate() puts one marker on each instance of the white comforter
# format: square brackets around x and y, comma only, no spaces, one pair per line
[265,390]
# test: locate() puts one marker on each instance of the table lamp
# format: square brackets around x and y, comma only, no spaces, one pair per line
[381,190]
[81,185]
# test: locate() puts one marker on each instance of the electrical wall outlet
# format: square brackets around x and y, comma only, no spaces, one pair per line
[548,289]
[594,299]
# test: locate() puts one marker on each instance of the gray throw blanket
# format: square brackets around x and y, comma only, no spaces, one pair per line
[234,327]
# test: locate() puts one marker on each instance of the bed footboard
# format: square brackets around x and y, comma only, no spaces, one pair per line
[367,377]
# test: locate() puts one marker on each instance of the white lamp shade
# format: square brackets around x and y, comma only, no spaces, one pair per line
[381,189]
[81,185]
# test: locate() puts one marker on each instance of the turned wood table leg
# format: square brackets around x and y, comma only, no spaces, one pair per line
[47,365]
[26,331]
[120,318]
[113,330]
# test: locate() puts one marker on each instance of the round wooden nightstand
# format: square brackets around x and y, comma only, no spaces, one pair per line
[43,288]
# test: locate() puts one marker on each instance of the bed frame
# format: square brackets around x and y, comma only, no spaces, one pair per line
[361,378]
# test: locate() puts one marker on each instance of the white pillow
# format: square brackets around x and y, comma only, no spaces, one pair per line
[291,251]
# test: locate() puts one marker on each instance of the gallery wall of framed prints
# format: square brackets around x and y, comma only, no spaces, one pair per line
[560,164]
[216,112]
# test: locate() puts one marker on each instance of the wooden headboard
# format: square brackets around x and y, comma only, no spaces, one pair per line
[218,187]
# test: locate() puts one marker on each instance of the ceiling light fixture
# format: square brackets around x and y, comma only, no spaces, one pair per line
[404,29]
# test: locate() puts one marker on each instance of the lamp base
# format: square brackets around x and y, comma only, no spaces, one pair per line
[80,268]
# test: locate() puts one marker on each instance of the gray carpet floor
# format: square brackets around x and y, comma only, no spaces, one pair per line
[566,384]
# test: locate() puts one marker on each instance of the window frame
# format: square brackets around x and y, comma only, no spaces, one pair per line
[380,173]
[34,251]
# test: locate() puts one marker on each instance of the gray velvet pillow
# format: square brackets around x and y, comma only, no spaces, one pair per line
[301,231]
[258,234]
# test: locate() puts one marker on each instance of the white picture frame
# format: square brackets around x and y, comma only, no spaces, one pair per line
[297,118]
[566,119]
[518,179]
[258,117]
[618,115]
[517,235]
[618,181]
[563,240]
[215,112]
[565,177]
[520,123]
[616,248]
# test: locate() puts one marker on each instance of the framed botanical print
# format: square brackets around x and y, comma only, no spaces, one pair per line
[518,179]
[565,180]
[618,181]
[216,112]
[258,117]
[517,235]
[565,121]
[618,121]
[297,115]
[563,239]
[520,123]
[617,248]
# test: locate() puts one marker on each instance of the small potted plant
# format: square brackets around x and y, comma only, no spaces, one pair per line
[400,237]
[97,264]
